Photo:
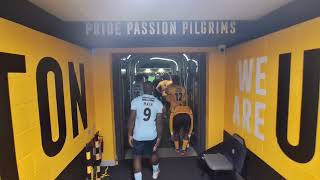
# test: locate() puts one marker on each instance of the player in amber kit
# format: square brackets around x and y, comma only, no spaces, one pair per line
[162,85]
[181,117]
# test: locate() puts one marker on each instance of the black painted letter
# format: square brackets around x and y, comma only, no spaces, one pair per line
[46,65]
[305,150]
[8,165]
[77,98]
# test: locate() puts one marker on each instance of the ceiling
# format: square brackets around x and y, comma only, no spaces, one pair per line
[140,10]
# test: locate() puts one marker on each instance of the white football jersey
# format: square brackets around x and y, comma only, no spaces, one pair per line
[147,107]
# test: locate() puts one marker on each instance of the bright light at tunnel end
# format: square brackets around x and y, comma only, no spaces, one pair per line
[147,70]
[161,70]
[166,59]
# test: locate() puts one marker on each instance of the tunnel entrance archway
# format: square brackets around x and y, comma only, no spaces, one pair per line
[190,67]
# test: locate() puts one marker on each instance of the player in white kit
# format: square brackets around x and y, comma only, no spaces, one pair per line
[145,130]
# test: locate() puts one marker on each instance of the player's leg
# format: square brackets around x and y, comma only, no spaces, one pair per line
[154,157]
[137,168]
[137,154]
[186,128]
[155,165]
[176,130]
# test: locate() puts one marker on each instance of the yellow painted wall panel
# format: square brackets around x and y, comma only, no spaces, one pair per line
[102,80]
[28,110]
[22,82]
[26,167]
[32,162]
[294,40]
[216,63]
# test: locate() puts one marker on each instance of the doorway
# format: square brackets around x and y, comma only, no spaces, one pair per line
[191,69]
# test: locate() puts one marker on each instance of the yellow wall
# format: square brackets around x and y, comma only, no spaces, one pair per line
[102,80]
[32,162]
[296,40]
[216,67]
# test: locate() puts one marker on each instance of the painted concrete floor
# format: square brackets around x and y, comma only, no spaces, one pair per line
[186,168]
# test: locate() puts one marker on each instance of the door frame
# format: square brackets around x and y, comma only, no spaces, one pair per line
[202,109]
[118,107]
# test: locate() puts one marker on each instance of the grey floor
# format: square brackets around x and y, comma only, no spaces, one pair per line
[171,169]
[167,153]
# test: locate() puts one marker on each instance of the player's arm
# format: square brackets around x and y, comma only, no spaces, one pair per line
[169,94]
[132,120]
[131,123]
[158,87]
[159,124]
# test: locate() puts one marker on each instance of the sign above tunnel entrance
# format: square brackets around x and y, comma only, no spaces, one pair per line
[131,34]
[160,28]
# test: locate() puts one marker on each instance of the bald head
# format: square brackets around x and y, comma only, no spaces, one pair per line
[148,87]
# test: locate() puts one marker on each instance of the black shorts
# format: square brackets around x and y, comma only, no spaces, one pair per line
[143,148]
[181,121]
